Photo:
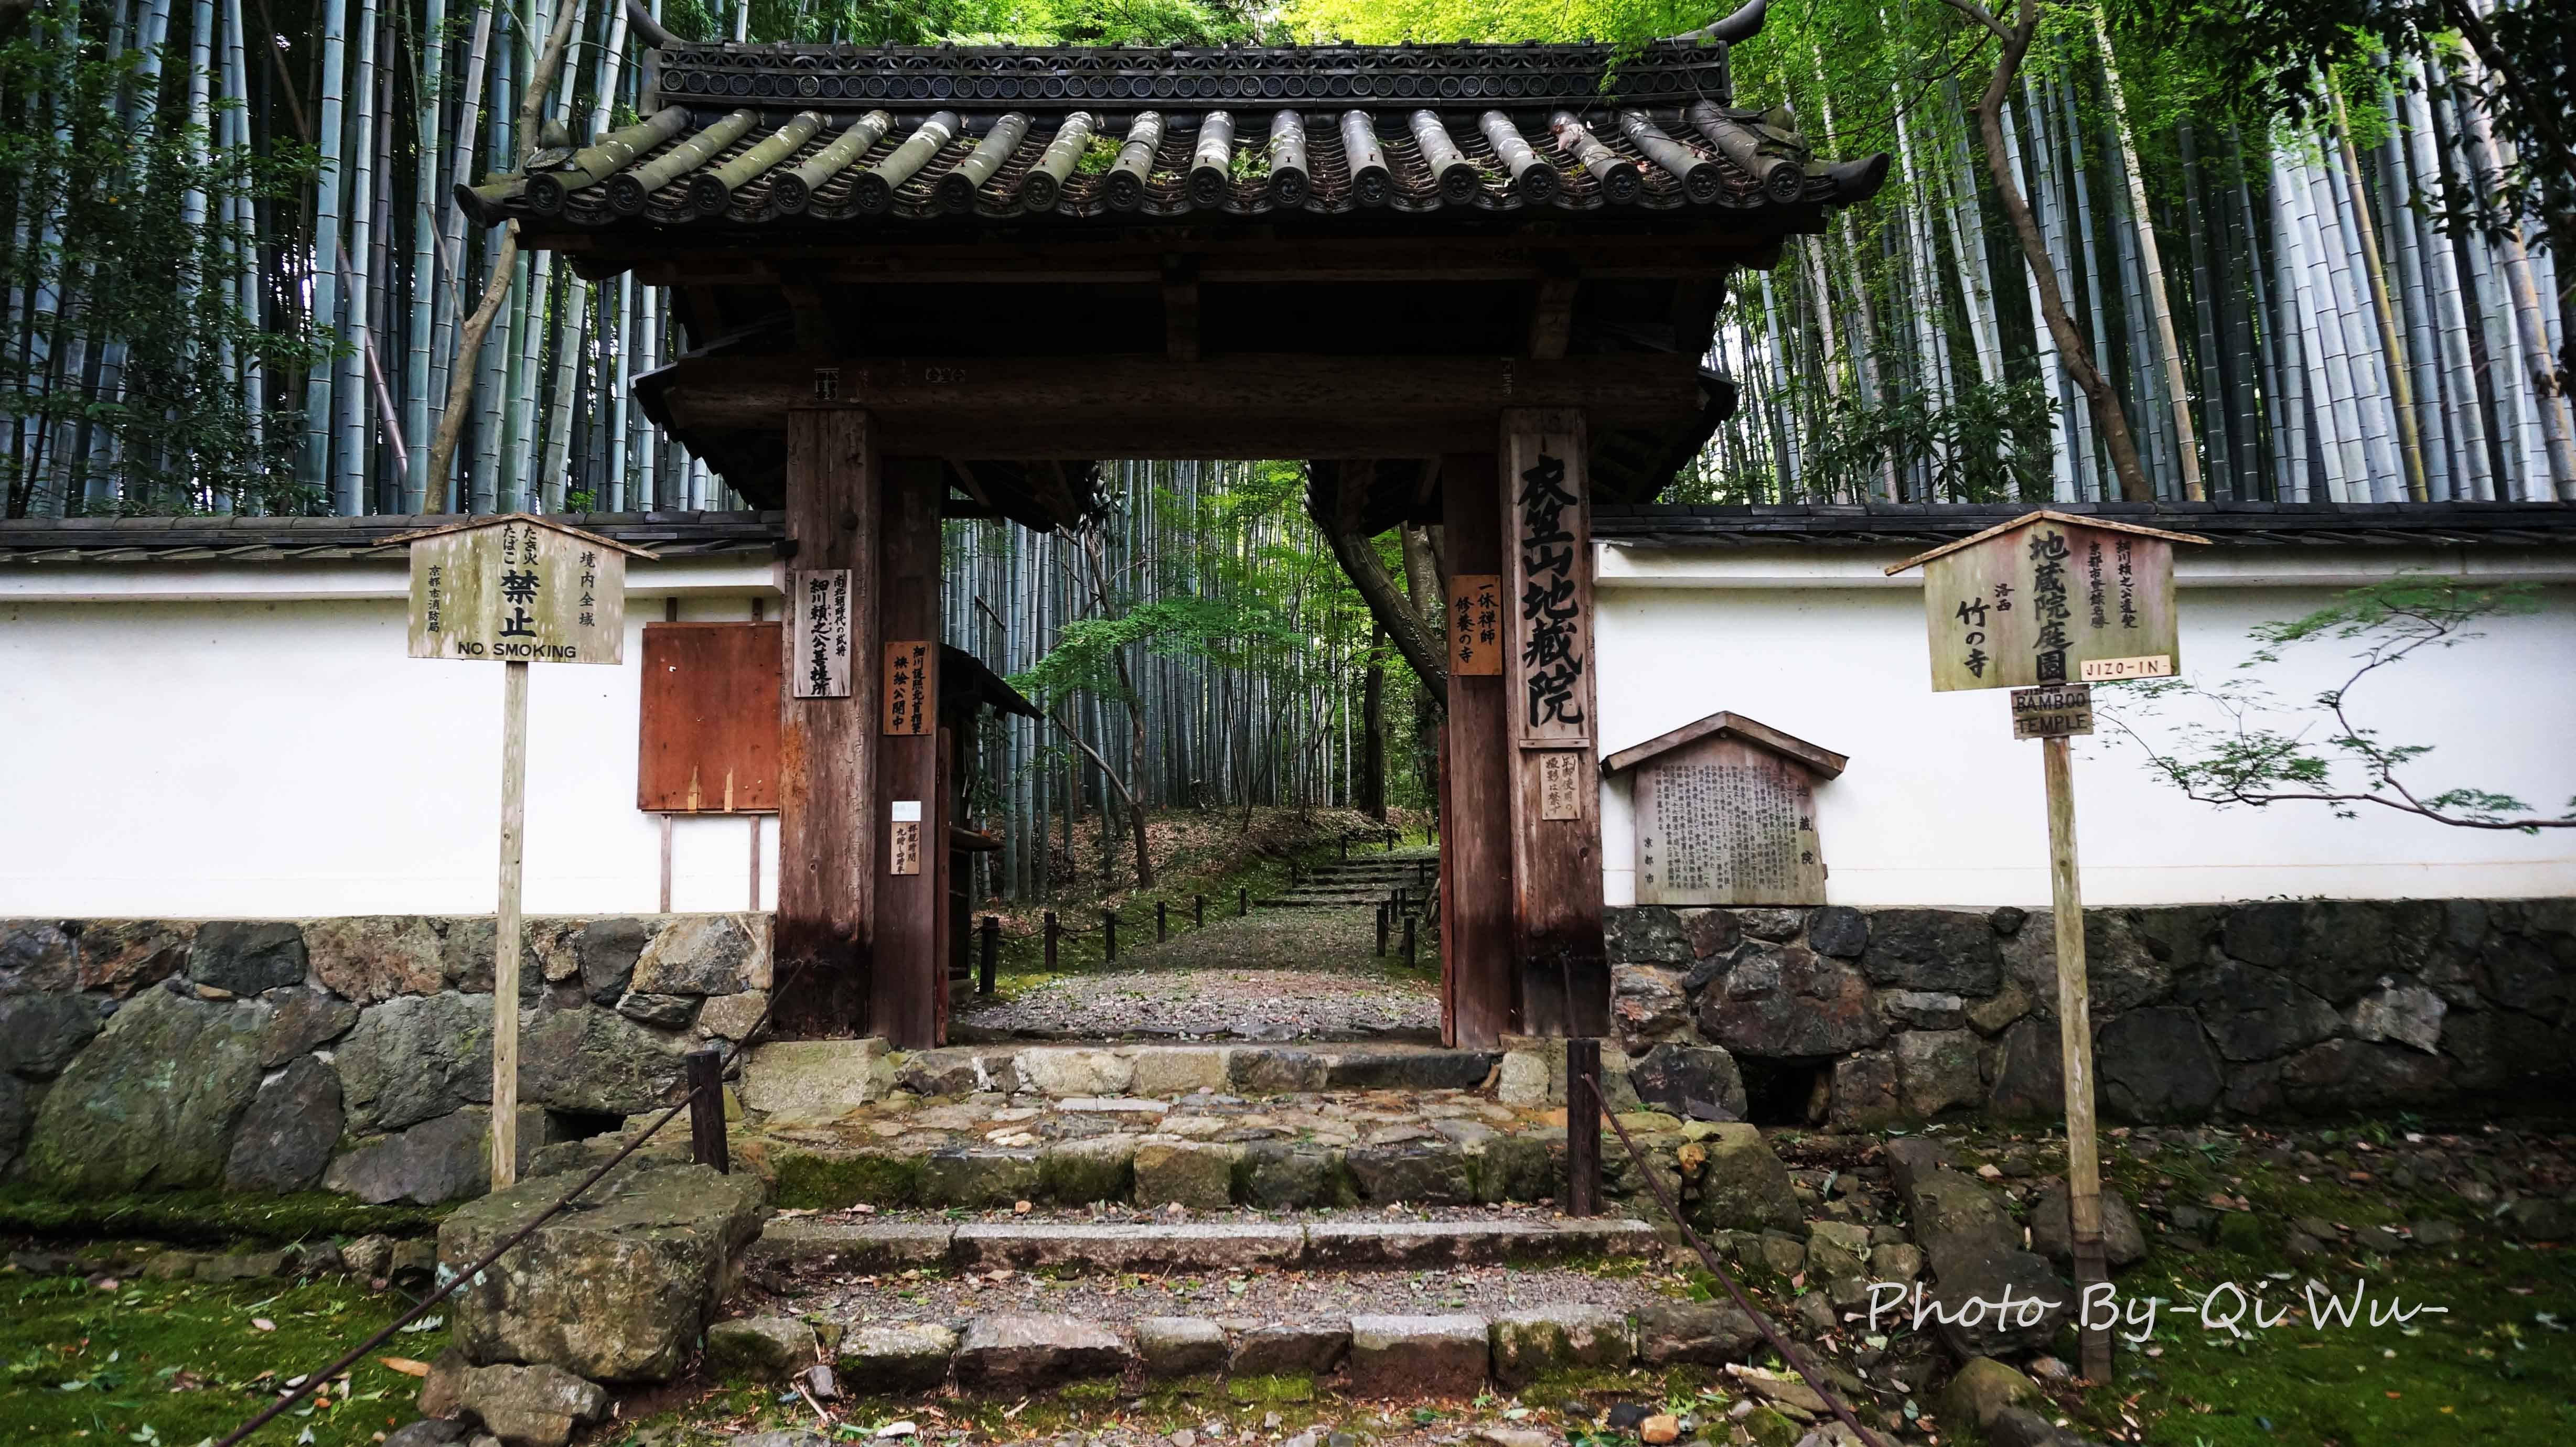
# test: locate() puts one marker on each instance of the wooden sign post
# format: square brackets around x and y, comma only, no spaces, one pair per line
[517,590]
[2058,602]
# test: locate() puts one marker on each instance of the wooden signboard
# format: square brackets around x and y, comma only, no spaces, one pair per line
[1725,814]
[818,618]
[2053,712]
[911,689]
[2061,601]
[1475,625]
[709,737]
[2051,598]
[903,856]
[517,589]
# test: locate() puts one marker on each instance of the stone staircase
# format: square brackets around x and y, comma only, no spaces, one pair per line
[1363,881]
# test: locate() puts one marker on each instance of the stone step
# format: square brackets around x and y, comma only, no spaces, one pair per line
[1096,1248]
[1063,1072]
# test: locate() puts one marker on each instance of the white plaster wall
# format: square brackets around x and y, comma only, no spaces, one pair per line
[253,742]
[1942,807]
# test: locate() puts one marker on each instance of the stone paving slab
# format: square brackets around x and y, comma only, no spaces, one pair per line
[1110,1248]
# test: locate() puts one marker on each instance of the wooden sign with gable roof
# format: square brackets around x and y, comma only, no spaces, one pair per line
[518,589]
[1726,814]
[2051,598]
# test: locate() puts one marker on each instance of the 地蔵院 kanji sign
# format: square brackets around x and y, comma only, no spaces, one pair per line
[517,589]
[2050,599]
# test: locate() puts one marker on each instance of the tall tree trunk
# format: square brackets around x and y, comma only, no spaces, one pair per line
[1372,750]
[2157,304]
[2078,357]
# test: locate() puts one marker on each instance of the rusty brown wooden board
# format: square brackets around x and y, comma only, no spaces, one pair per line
[708,742]
[1475,625]
[1476,820]
[1545,506]
[911,687]
[829,818]
[911,976]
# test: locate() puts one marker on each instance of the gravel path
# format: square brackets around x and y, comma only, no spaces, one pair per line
[1274,974]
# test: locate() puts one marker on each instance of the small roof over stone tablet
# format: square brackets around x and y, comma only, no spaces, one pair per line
[1824,763]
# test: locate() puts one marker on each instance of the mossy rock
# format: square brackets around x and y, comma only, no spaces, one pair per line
[1254,1390]
[808,1181]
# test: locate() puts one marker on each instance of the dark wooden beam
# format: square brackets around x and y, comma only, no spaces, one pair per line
[910,983]
[1139,260]
[1181,309]
[1551,325]
[1477,972]
[1548,668]
[1154,406]
[823,941]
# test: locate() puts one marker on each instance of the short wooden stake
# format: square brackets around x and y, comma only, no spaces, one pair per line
[992,941]
[1198,909]
[666,862]
[1109,934]
[1162,922]
[1052,929]
[2075,1042]
[1582,1128]
[1381,929]
[706,1111]
[1242,899]
[1408,942]
[505,938]
[1345,843]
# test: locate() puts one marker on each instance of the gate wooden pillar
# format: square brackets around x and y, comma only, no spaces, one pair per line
[823,939]
[911,982]
[1475,810]
[1555,787]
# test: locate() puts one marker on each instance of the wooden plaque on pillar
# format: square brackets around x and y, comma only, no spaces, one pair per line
[911,975]
[827,757]
[1555,789]
[1477,974]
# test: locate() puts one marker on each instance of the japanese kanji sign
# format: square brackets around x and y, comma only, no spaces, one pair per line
[2050,599]
[1547,548]
[1476,624]
[1726,814]
[903,847]
[911,704]
[517,589]
[818,630]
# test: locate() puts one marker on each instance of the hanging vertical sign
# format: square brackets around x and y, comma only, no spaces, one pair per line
[903,856]
[910,704]
[1549,542]
[2057,601]
[516,590]
[1476,624]
[818,624]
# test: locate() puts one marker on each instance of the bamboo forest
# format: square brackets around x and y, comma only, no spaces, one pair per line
[2225,250]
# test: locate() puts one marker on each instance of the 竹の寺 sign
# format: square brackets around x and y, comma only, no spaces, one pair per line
[2048,599]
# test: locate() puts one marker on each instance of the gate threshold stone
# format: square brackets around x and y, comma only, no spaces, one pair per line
[878,1246]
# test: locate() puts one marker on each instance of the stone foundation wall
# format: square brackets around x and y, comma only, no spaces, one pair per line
[2266,1008]
[353,1055]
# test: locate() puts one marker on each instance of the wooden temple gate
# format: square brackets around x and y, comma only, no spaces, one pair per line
[1467,282]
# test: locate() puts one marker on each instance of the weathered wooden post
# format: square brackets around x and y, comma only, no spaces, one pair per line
[1582,1127]
[1475,773]
[1242,900]
[1381,928]
[2048,605]
[1162,922]
[1109,933]
[515,590]
[707,1144]
[1408,941]
[1198,910]
[1051,931]
[992,942]
[1344,844]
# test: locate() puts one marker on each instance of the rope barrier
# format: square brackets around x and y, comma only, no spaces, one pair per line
[1789,1353]
[317,1380]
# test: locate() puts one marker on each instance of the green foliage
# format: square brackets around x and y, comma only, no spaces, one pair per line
[116,257]
[2264,751]
[1991,444]
[1085,657]
[176,1363]
[1377,22]
[974,22]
